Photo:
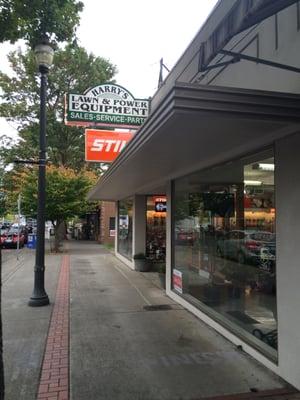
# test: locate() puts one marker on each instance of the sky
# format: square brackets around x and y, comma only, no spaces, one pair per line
[134,35]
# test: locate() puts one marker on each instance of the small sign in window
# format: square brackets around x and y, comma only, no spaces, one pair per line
[177,280]
[160,204]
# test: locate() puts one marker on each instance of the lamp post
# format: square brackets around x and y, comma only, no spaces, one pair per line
[44,56]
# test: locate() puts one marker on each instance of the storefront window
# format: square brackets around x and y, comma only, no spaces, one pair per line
[225,249]
[125,208]
[156,228]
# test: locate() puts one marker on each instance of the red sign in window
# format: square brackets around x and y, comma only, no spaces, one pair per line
[177,280]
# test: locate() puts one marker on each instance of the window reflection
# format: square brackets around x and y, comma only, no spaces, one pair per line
[225,243]
[125,208]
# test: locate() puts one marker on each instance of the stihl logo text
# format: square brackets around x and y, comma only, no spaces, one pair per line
[108,145]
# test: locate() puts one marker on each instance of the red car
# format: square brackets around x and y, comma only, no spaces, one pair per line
[10,238]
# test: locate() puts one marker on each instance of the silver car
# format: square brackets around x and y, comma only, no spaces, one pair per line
[255,247]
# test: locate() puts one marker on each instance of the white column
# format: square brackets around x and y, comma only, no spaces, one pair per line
[116,226]
[287,181]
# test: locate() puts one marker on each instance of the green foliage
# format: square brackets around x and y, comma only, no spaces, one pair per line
[66,192]
[31,19]
[11,191]
[3,205]
[160,267]
[139,256]
[74,70]
[188,205]
[3,195]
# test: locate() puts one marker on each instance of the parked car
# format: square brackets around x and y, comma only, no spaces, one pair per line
[11,237]
[256,247]
[4,228]
[184,237]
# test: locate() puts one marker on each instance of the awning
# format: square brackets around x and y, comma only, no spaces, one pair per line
[193,128]
[243,15]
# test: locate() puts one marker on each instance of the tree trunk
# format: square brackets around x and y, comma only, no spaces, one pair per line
[59,234]
[1,337]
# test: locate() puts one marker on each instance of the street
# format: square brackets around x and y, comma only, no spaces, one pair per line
[12,260]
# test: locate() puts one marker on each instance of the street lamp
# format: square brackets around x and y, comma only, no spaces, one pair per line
[44,56]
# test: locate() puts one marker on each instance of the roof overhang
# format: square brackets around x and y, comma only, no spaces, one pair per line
[193,128]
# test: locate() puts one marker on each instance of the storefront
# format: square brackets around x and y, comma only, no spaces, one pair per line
[225,156]
[225,245]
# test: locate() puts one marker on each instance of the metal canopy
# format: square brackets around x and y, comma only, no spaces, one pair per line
[196,127]
[243,15]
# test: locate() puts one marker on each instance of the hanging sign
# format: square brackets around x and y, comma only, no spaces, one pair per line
[104,146]
[106,105]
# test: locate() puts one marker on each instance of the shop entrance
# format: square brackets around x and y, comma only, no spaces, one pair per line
[156,227]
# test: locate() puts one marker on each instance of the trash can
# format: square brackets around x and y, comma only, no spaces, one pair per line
[31,243]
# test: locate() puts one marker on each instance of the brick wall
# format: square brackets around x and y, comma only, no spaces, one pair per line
[107,211]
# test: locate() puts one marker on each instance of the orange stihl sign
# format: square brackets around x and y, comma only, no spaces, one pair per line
[104,146]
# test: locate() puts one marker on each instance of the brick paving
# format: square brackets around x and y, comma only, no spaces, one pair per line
[54,379]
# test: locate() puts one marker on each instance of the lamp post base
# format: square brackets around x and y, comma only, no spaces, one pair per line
[38,301]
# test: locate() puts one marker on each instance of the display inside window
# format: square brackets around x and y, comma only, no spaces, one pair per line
[225,245]
[156,228]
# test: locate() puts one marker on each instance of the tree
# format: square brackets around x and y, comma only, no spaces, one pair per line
[74,70]
[65,193]
[29,19]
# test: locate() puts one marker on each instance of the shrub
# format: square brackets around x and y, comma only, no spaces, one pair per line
[139,256]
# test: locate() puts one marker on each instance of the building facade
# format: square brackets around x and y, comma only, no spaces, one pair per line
[221,144]
[107,223]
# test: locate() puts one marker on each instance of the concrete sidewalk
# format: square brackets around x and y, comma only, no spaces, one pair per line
[123,344]
[120,349]
[25,329]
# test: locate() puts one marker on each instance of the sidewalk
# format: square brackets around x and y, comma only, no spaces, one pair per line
[120,346]
[24,328]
